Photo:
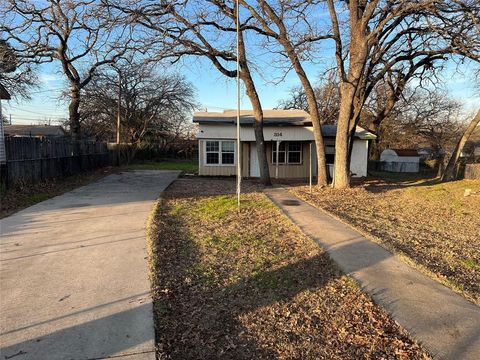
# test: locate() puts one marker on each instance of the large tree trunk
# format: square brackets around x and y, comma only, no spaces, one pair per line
[342,138]
[316,121]
[375,144]
[450,171]
[257,114]
[347,114]
[258,130]
[313,110]
[74,114]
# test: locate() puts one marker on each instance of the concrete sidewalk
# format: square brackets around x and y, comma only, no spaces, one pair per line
[74,274]
[444,322]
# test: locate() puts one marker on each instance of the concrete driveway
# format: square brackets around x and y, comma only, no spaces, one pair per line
[74,274]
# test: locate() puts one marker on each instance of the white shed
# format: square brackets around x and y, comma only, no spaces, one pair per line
[400,160]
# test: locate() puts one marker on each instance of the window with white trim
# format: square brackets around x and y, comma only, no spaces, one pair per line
[289,152]
[220,152]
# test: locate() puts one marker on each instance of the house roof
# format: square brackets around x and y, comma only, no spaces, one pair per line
[33,130]
[272,117]
[4,94]
[406,152]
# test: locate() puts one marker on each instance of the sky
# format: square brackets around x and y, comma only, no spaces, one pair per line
[214,91]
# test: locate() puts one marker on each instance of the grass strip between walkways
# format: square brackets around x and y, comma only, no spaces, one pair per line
[252,286]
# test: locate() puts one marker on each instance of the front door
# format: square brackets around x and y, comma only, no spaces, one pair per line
[254,167]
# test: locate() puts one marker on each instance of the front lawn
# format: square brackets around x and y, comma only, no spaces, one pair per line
[252,286]
[432,223]
[190,166]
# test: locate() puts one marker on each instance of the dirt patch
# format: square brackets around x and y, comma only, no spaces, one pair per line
[252,286]
[433,224]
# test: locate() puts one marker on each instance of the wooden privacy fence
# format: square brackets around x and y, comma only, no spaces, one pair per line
[472,171]
[31,160]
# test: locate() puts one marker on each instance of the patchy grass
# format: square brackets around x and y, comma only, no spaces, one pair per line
[252,286]
[432,223]
[25,195]
[190,166]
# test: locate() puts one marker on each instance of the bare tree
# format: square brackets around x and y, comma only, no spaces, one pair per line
[375,37]
[19,78]
[327,96]
[79,34]
[152,106]
[273,22]
[206,30]
[450,170]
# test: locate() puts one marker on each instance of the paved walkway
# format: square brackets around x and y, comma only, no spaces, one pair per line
[73,273]
[444,322]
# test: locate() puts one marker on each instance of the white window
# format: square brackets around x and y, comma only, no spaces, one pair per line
[289,152]
[281,152]
[220,152]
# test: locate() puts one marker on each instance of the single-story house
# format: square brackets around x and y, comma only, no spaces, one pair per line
[400,160]
[34,130]
[290,131]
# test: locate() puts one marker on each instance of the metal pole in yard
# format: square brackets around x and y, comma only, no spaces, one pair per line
[239,168]
[310,168]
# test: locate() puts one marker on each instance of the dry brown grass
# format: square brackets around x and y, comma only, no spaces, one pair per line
[432,223]
[252,286]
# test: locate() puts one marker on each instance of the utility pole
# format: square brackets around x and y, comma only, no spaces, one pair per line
[10,119]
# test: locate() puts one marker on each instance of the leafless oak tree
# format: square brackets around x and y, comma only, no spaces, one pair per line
[282,21]
[375,37]
[326,94]
[201,29]
[17,77]
[79,34]
[152,105]
[450,171]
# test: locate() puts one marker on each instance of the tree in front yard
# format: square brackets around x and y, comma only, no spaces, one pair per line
[373,38]
[16,76]
[79,36]
[203,30]
[450,171]
[153,105]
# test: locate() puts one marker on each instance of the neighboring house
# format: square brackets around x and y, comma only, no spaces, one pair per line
[34,130]
[400,160]
[290,130]
[4,95]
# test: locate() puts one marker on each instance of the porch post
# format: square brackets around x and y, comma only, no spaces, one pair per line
[276,160]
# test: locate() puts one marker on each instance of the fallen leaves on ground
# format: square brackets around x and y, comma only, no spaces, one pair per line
[252,286]
[432,223]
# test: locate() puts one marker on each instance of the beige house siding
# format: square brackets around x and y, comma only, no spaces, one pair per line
[285,171]
[221,170]
[245,159]
[290,171]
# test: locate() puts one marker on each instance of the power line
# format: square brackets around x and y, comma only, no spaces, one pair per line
[37,120]
[37,116]
[32,112]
